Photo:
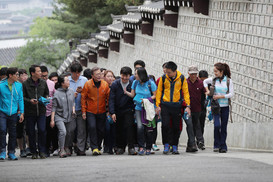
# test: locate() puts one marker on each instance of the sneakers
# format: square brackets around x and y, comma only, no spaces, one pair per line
[34,156]
[12,157]
[191,149]
[81,153]
[67,151]
[2,155]
[42,155]
[223,151]
[166,149]
[155,148]
[55,153]
[215,149]
[148,152]
[96,152]
[175,150]
[28,152]
[141,151]
[23,153]
[62,153]
[132,151]
[119,151]
[201,146]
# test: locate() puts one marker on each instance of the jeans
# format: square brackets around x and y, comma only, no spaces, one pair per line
[41,125]
[8,123]
[110,136]
[171,132]
[125,129]
[197,127]
[220,128]
[143,135]
[96,128]
[51,135]
[190,133]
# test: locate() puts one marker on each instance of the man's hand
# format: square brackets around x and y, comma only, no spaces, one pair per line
[114,117]
[79,90]
[34,101]
[158,110]
[76,94]
[84,116]
[52,123]
[21,118]
[188,110]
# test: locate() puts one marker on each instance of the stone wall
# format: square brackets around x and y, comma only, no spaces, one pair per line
[239,33]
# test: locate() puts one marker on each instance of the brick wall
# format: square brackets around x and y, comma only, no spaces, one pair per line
[239,33]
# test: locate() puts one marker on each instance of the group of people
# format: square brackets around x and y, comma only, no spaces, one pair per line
[72,112]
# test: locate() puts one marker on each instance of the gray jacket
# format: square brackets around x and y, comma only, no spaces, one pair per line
[62,104]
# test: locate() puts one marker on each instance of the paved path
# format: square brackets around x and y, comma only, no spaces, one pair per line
[201,166]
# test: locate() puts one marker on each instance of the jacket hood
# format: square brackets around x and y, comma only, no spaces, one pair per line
[178,74]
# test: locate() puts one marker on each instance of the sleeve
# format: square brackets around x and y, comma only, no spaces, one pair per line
[159,93]
[186,93]
[133,85]
[231,90]
[83,97]
[25,95]
[107,94]
[112,97]
[207,81]
[21,99]
[46,92]
[54,103]
[153,86]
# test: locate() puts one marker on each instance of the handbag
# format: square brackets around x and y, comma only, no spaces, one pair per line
[215,107]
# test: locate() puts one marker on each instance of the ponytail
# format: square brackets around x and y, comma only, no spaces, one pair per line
[227,70]
[223,67]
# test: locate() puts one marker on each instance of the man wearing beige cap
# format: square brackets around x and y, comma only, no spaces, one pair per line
[196,89]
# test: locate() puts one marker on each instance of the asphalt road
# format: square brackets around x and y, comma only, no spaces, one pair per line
[201,166]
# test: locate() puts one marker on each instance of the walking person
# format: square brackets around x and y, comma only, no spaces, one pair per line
[95,95]
[222,91]
[63,115]
[172,90]
[11,99]
[76,84]
[35,88]
[51,133]
[142,88]
[110,127]
[22,138]
[196,89]
[121,108]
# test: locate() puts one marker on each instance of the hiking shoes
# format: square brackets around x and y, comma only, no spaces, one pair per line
[2,156]
[223,151]
[132,151]
[141,151]
[96,152]
[201,146]
[34,156]
[42,155]
[155,148]
[12,157]
[175,150]
[166,149]
[23,153]
[191,149]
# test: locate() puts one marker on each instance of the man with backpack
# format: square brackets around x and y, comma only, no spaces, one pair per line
[172,88]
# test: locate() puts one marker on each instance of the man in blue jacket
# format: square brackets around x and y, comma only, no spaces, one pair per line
[11,101]
[121,107]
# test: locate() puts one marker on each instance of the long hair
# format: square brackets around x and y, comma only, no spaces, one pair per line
[223,67]
[142,74]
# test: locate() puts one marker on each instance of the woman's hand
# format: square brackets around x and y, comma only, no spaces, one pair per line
[215,97]
[52,123]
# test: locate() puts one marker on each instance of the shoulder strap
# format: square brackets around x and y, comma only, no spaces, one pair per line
[135,85]
[182,82]
[229,101]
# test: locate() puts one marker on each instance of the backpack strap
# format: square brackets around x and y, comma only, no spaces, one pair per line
[135,85]
[182,81]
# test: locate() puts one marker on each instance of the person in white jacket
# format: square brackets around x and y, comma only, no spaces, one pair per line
[222,93]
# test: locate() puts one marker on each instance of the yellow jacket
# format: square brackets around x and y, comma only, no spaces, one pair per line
[172,90]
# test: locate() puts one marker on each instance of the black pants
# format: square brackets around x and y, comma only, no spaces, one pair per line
[170,134]
[52,135]
[125,129]
[202,119]
[96,129]
[197,126]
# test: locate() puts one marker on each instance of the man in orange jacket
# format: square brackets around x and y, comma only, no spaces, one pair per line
[95,95]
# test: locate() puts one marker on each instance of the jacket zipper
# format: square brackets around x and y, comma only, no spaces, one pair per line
[98,100]
[67,104]
[37,100]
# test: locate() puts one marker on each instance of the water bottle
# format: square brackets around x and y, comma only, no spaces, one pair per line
[186,115]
